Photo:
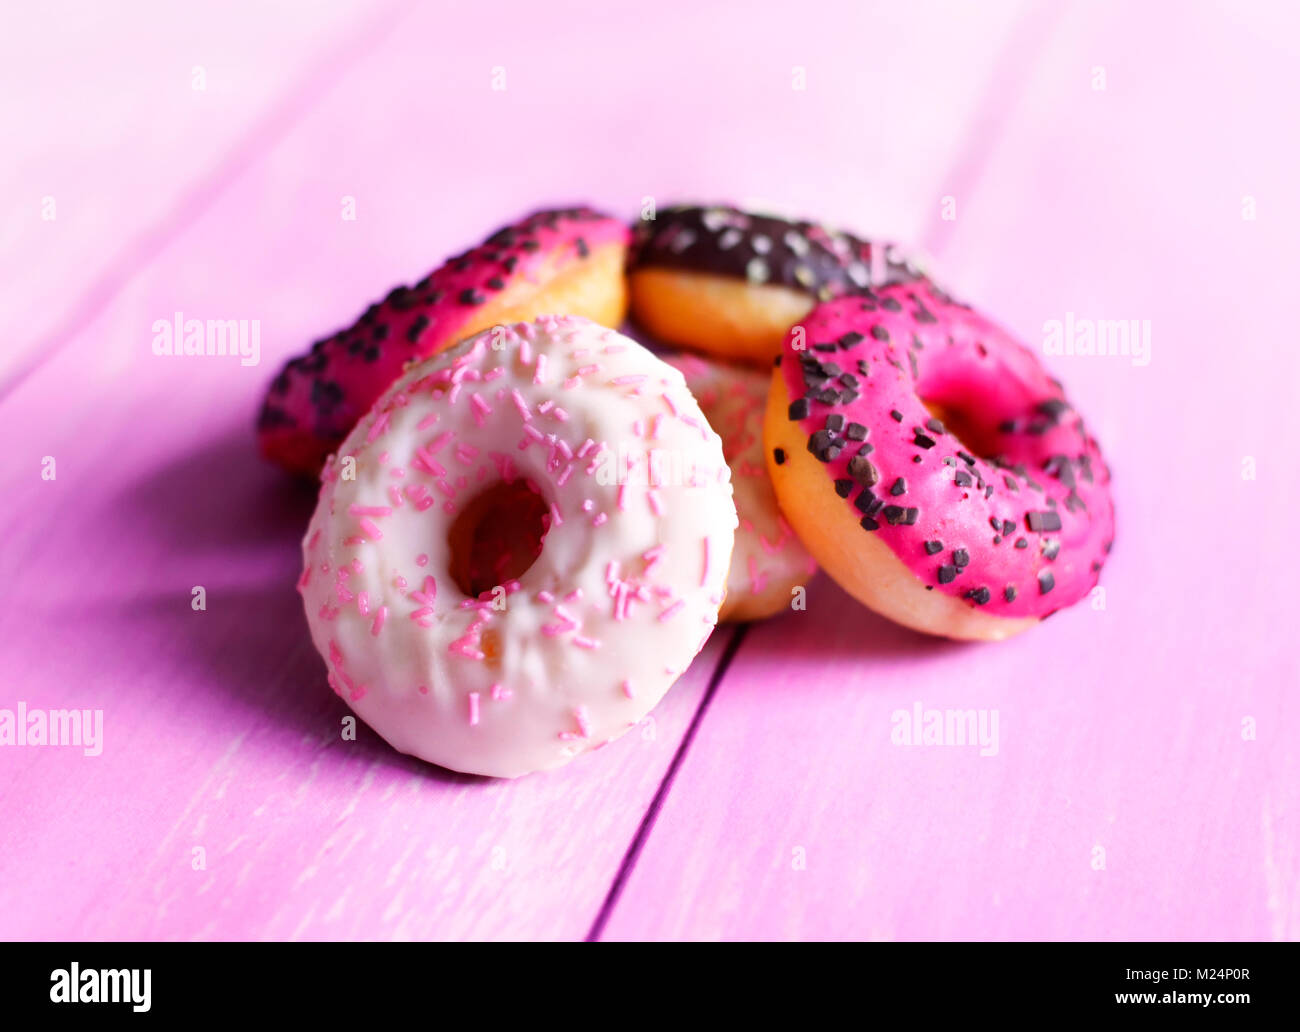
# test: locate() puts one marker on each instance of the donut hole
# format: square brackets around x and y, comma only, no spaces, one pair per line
[497,536]
[976,435]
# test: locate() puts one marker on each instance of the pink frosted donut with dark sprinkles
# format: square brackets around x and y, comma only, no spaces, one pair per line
[567,260]
[520,548]
[933,467]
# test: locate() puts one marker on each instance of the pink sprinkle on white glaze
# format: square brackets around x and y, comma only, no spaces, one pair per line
[672,610]
[381,615]
[378,427]
[520,404]
[473,708]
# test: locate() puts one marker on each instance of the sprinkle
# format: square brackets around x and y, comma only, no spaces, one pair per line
[585,643]
[440,442]
[425,461]
[378,625]
[627,689]
[672,610]
[473,708]
[619,381]
[539,375]
[520,404]
[369,529]
[378,427]
[481,408]
[704,575]
[584,723]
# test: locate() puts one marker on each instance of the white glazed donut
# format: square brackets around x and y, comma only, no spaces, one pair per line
[557,443]
[769,559]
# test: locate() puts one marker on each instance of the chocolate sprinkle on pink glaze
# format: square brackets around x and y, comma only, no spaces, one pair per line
[318,397]
[762,249]
[1044,475]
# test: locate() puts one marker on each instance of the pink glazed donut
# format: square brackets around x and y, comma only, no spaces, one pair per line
[500,574]
[933,467]
[561,260]
[768,561]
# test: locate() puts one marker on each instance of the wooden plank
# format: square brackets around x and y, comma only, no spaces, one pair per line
[1145,782]
[119,126]
[218,733]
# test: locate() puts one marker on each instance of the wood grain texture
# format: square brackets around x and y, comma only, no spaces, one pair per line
[1145,784]
[121,124]
[219,732]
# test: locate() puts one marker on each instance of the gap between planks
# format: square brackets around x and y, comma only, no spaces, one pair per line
[665,786]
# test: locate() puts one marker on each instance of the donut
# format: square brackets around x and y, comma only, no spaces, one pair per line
[725,281]
[933,467]
[768,560]
[566,260]
[503,570]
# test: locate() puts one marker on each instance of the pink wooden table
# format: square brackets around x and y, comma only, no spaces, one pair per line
[1125,161]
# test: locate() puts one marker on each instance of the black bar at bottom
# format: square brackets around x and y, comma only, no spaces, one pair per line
[130,982]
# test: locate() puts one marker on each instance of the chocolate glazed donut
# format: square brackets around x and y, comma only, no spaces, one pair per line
[729,282]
